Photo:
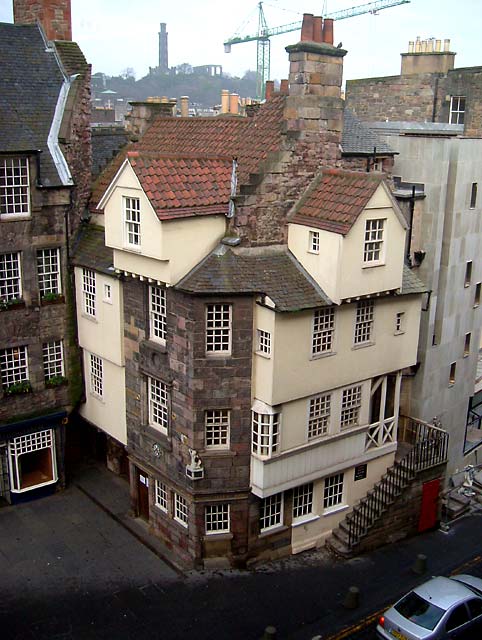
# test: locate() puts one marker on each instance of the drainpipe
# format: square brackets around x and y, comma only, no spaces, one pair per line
[410,227]
[434,106]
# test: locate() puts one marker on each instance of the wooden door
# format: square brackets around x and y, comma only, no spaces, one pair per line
[429,507]
[143,495]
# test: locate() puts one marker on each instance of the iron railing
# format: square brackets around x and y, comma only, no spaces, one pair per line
[429,449]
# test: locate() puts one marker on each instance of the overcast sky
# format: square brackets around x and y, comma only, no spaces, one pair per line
[116,34]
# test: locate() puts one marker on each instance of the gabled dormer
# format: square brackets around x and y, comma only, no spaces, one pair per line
[164,214]
[349,234]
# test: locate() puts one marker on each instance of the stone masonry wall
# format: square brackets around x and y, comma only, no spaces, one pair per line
[33,322]
[196,383]
[54,15]
[462,82]
[409,98]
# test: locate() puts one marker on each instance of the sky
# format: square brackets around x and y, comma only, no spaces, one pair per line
[119,34]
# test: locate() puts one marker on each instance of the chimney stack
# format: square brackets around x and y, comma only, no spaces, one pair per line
[314,107]
[53,15]
[234,103]
[184,107]
[224,100]
[269,89]
[426,56]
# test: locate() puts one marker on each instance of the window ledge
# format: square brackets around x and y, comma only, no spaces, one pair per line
[369,265]
[266,356]
[363,345]
[161,438]
[222,535]
[325,354]
[217,453]
[161,347]
[305,520]
[14,217]
[267,532]
[331,510]
[86,316]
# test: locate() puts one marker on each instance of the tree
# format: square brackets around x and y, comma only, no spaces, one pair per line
[128,74]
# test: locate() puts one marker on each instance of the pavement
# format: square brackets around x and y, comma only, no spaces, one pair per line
[77,566]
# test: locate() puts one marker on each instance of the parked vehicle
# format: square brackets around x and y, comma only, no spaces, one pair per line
[440,609]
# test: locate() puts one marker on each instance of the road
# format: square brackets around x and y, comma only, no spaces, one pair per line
[68,571]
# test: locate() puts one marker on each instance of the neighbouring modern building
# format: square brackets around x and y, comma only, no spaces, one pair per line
[431,115]
[44,187]
[249,327]
[437,173]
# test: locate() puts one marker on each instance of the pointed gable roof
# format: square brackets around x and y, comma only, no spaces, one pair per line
[180,186]
[335,199]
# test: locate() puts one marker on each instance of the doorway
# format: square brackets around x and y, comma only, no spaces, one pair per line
[143,495]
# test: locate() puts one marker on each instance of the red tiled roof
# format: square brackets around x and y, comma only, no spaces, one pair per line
[250,140]
[180,186]
[335,199]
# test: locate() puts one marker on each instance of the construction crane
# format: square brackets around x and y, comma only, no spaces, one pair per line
[262,37]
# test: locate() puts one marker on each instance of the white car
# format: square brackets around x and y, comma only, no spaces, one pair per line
[440,609]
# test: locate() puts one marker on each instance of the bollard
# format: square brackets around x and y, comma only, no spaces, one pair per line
[420,564]
[269,633]
[352,598]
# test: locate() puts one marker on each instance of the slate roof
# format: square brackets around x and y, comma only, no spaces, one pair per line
[182,186]
[359,139]
[411,283]
[335,199]
[106,144]
[272,271]
[90,251]
[30,82]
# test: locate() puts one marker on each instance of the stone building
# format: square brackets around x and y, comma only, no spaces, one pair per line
[428,89]
[265,318]
[44,186]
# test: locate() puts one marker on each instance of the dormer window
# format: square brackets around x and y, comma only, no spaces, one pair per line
[373,252]
[314,242]
[132,218]
[14,188]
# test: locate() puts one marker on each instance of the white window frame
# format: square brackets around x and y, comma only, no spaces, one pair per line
[323,335]
[89,292]
[14,188]
[263,342]
[132,221]
[181,510]
[374,245]
[96,369]
[157,314]
[302,502]
[271,512]
[399,323]
[266,433]
[10,276]
[219,328]
[457,114]
[314,242]
[319,411]
[161,496]
[158,404]
[364,321]
[48,271]
[25,444]
[217,426]
[14,365]
[351,402]
[53,359]
[107,293]
[333,491]
[217,518]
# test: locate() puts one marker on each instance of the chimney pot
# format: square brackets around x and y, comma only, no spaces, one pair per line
[307,27]
[234,103]
[328,30]
[446,44]
[438,45]
[184,106]
[317,29]
[269,88]
[410,46]
[224,100]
